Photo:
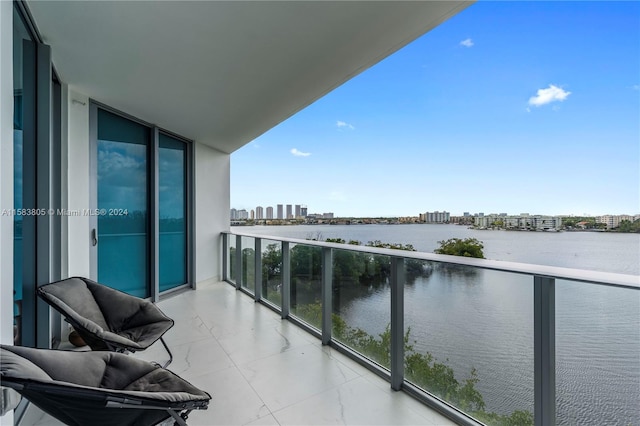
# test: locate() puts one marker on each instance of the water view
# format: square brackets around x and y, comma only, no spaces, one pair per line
[482,321]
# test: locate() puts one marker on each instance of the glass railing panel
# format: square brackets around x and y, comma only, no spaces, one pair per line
[248,263]
[362,303]
[469,339]
[597,354]
[306,281]
[272,271]
[231,258]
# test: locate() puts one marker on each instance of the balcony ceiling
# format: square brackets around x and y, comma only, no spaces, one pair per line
[223,73]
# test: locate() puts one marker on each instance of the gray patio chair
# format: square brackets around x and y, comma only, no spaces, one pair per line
[105,318]
[99,388]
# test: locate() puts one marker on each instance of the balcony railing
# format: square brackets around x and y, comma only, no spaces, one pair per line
[393,311]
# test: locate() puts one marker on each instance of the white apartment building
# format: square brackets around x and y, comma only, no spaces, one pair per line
[437,217]
[525,221]
[613,221]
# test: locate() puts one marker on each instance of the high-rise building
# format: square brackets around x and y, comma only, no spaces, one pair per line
[269,212]
[252,214]
[289,212]
[303,211]
[280,212]
[233,214]
[297,214]
[259,213]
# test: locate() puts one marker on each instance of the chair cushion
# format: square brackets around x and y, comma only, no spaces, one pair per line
[77,387]
[105,317]
[13,365]
[72,297]
[96,369]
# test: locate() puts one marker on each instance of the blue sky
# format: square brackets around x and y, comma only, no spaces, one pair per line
[507,107]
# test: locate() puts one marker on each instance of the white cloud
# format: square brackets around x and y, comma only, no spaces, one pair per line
[466,43]
[548,95]
[344,125]
[635,87]
[297,153]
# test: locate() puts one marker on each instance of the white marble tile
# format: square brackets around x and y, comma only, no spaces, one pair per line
[357,402]
[294,375]
[36,417]
[264,421]
[187,329]
[191,359]
[256,343]
[238,316]
[234,402]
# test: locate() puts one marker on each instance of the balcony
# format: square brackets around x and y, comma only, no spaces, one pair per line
[568,329]
[319,367]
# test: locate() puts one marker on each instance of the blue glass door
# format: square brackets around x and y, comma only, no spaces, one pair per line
[172,206]
[122,235]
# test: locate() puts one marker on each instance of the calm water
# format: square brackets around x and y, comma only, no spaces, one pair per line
[597,251]
[484,319]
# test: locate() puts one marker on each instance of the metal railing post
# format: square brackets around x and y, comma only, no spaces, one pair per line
[285,274]
[544,348]
[327,308]
[238,262]
[397,322]
[257,286]
[225,256]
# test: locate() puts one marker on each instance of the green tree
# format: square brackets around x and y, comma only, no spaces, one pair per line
[248,271]
[305,261]
[413,267]
[425,371]
[272,261]
[469,247]
[628,226]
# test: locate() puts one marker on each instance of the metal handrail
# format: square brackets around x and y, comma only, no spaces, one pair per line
[570,274]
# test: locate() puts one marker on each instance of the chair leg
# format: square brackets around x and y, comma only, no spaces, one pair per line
[180,420]
[169,352]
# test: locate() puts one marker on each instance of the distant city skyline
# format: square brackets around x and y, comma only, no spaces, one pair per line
[430,216]
[470,117]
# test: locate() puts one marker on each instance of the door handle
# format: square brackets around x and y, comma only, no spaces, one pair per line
[94,237]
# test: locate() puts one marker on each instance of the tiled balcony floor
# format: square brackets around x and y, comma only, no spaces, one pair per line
[261,370]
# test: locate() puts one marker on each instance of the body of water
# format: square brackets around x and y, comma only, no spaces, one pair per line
[483,320]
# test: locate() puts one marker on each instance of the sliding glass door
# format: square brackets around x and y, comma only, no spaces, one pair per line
[140,224]
[122,234]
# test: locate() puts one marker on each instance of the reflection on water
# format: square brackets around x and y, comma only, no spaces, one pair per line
[461,321]
[484,320]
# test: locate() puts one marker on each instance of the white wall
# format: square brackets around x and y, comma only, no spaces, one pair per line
[78,185]
[212,179]
[6,171]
